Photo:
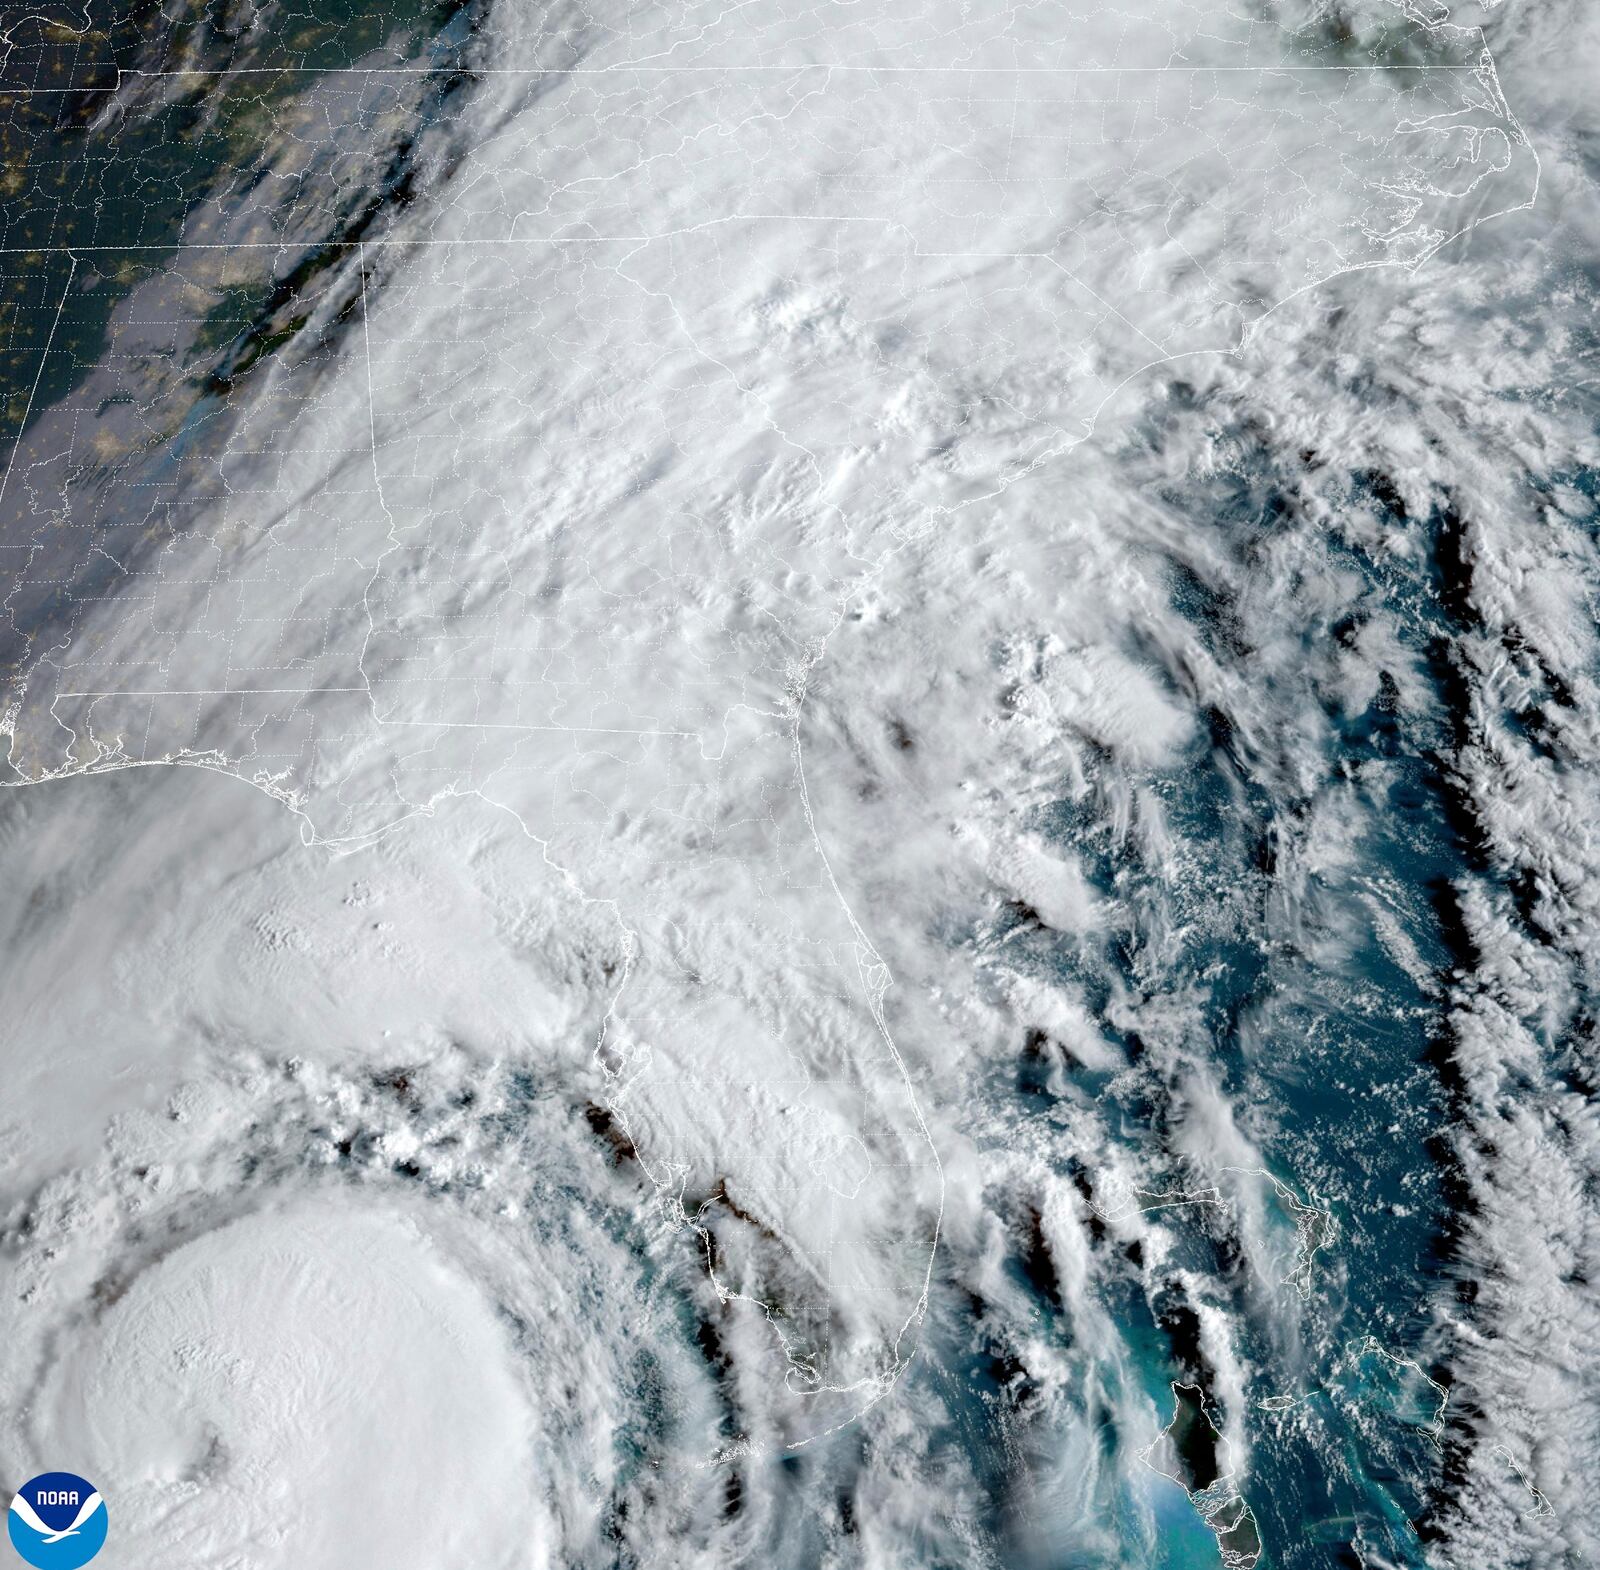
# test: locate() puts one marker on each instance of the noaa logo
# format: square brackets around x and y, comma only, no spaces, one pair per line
[57,1521]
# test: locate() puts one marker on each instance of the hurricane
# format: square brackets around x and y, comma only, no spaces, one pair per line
[802,784]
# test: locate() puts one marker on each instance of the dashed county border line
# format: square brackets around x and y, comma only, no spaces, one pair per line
[741,69]
[1266,196]
[671,468]
[871,142]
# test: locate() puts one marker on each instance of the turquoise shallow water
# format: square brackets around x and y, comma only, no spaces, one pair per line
[1317,995]
[1285,933]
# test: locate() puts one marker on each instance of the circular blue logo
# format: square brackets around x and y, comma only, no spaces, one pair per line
[57,1521]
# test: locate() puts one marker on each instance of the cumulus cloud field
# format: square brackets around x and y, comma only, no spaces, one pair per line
[801,784]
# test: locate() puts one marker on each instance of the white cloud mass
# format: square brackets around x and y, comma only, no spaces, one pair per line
[768,759]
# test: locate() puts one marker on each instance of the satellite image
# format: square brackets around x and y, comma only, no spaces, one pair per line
[800,784]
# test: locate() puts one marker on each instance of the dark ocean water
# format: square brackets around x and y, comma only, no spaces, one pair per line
[1291,933]
[1315,992]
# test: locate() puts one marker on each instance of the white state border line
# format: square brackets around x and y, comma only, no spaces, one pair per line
[38,376]
[294,243]
[742,68]
[875,971]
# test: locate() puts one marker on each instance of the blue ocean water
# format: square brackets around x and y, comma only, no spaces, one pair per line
[1315,993]
[1292,955]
